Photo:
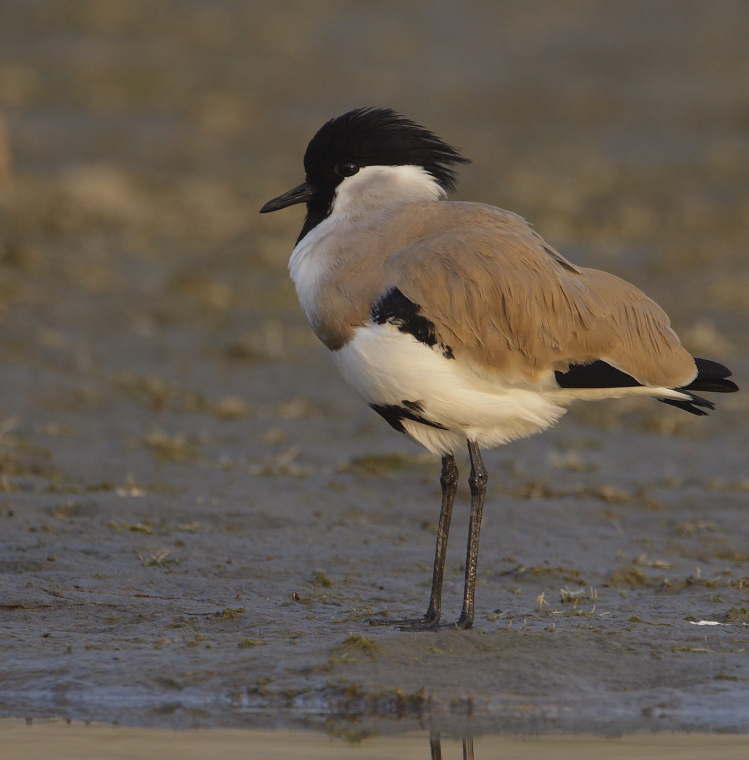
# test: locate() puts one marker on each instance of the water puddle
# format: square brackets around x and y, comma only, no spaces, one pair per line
[20,740]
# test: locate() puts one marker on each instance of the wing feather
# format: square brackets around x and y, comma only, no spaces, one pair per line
[503,299]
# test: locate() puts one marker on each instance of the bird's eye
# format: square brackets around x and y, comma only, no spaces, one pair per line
[346,169]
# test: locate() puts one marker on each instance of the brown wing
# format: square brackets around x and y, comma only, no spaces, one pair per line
[501,298]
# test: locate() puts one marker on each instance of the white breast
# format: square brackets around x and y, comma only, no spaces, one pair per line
[310,262]
[386,366]
[358,200]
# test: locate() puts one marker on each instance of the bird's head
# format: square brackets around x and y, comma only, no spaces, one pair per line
[368,158]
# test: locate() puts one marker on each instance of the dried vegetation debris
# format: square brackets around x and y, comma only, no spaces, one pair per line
[107,196]
[384,464]
[281,464]
[162,395]
[540,488]
[569,575]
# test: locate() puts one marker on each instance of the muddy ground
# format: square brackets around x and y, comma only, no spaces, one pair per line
[197,517]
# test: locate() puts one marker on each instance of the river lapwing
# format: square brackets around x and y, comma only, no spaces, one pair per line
[456,322]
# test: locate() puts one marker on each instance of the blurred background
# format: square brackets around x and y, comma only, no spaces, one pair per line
[176,446]
[139,139]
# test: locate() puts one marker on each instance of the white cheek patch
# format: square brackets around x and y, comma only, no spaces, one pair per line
[375,187]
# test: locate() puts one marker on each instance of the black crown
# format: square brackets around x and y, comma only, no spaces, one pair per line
[378,137]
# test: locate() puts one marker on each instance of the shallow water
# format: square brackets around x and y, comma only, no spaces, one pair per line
[24,741]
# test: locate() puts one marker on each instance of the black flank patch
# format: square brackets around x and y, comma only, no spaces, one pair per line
[711,377]
[597,374]
[394,414]
[395,308]
[414,406]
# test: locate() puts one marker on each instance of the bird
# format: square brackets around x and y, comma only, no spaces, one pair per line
[455,321]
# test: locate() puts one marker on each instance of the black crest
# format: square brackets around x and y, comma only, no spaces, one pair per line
[371,137]
[378,137]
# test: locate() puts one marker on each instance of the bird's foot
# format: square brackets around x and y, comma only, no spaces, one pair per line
[429,620]
[462,624]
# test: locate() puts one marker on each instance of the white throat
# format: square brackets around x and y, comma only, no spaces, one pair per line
[376,187]
[371,190]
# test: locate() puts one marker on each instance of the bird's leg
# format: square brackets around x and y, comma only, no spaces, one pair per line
[449,483]
[435,746]
[477,482]
[467,748]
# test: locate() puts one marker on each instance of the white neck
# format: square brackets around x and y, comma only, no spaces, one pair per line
[357,199]
[376,187]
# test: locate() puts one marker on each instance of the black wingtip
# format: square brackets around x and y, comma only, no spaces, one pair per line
[710,370]
[699,401]
[696,404]
[713,386]
[687,406]
[711,378]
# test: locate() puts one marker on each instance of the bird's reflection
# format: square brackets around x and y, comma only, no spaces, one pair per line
[435,745]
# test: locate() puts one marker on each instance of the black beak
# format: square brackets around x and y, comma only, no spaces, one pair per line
[299,194]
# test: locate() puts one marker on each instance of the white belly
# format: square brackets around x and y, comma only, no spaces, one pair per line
[386,366]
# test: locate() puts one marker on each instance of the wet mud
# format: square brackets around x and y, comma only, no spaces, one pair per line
[197,517]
